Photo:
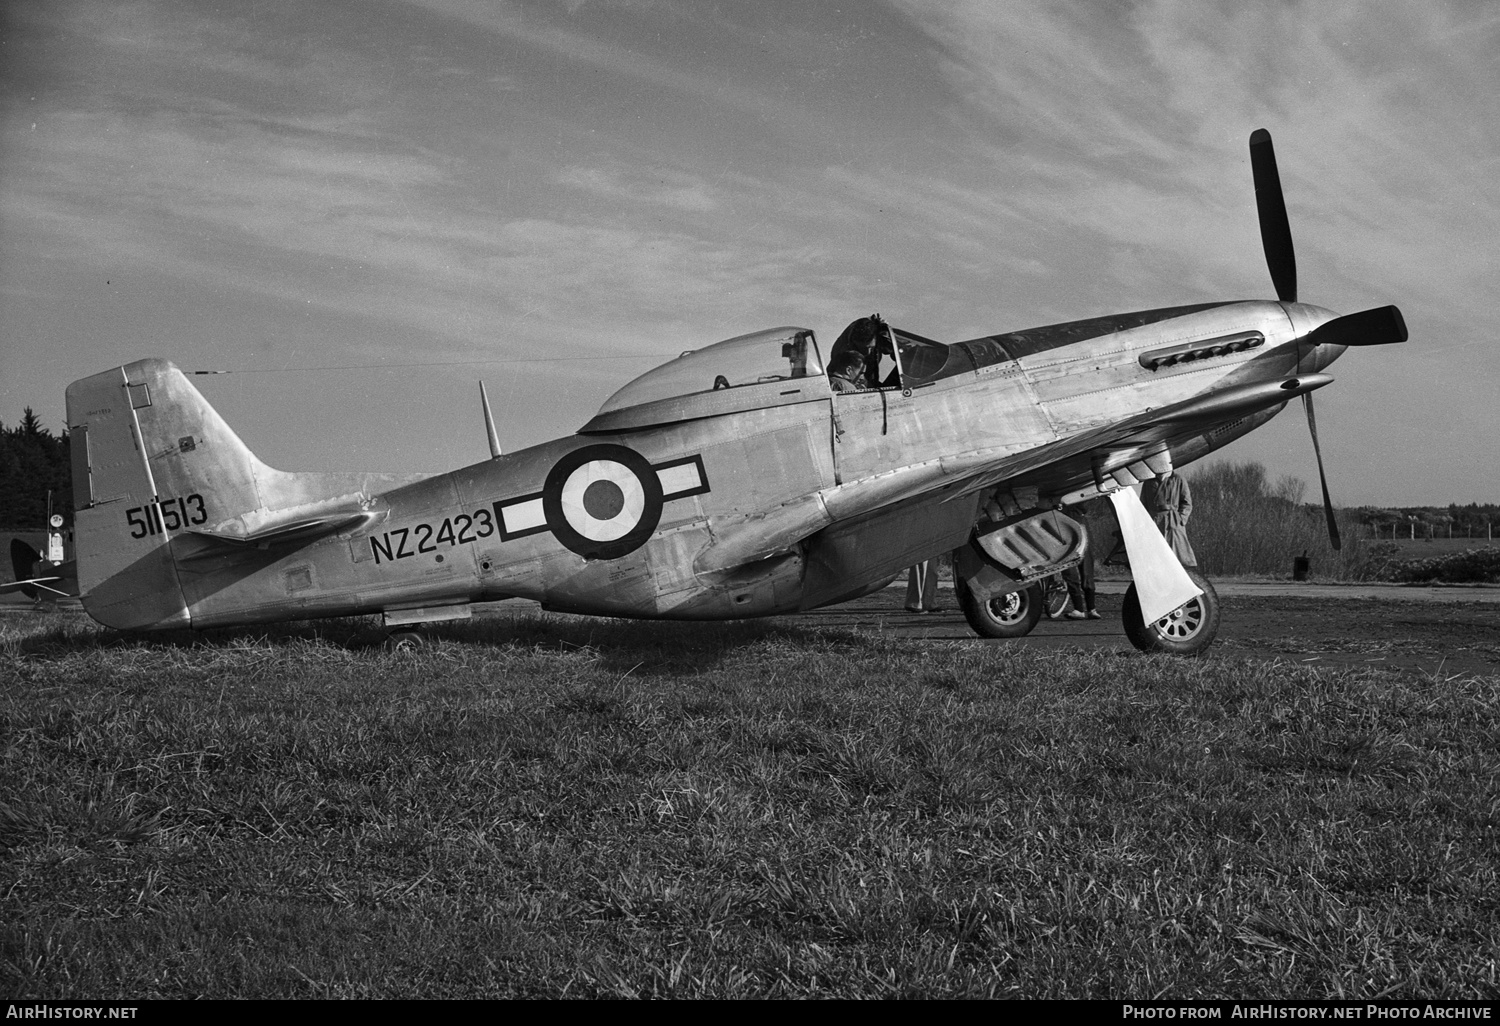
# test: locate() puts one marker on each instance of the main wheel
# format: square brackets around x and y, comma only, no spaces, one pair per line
[1009,616]
[1187,630]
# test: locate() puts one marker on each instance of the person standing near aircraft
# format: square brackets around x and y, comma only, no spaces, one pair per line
[1169,499]
[1080,581]
[921,588]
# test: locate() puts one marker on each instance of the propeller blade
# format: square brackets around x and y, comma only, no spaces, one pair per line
[1378,327]
[1312,426]
[1275,231]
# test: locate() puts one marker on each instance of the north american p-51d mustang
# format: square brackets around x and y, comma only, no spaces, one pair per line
[746,478]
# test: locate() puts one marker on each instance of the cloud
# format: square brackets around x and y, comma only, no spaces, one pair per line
[677,282]
[518,24]
[660,187]
[1127,124]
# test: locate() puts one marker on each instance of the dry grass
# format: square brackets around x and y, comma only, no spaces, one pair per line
[548,807]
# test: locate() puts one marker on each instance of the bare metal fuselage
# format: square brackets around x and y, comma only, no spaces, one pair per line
[803,501]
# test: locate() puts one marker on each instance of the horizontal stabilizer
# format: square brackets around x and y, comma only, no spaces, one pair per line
[298,530]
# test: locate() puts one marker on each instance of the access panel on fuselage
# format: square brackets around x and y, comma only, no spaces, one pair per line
[881,430]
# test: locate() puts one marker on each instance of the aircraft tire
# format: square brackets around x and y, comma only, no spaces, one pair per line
[1186,631]
[1009,616]
[408,641]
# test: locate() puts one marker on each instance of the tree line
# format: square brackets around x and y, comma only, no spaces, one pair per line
[1246,523]
[1476,520]
[32,462]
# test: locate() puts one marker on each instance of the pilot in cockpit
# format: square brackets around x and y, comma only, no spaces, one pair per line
[867,338]
[846,372]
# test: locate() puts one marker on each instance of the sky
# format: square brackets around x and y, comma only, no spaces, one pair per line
[363,208]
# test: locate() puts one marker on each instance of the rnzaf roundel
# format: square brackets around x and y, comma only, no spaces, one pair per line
[602,501]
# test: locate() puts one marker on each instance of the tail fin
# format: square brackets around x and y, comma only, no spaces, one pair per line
[153,461]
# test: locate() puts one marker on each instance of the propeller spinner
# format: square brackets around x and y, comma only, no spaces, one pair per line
[1379,326]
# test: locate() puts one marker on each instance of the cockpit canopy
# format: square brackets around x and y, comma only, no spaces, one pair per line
[764,368]
[776,367]
[779,354]
[783,366]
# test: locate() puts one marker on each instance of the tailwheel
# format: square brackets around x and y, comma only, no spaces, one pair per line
[1012,615]
[405,639]
[1187,630]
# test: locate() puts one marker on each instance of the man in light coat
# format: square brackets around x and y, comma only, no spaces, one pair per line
[1169,499]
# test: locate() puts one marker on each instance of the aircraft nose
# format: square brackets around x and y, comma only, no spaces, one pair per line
[1323,355]
[1305,320]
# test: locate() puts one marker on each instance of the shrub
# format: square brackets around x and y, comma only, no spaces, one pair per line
[1243,524]
[1466,567]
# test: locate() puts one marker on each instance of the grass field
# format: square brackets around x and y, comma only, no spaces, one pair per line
[552,807]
